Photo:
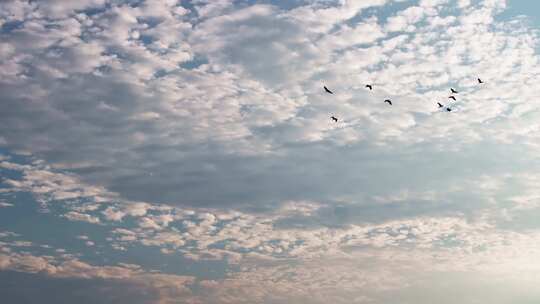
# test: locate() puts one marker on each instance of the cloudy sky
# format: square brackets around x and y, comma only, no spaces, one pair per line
[167,151]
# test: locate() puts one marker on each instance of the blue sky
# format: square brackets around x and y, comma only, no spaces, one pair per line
[163,151]
[523,8]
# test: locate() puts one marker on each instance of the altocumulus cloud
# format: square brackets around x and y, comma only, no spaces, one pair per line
[200,129]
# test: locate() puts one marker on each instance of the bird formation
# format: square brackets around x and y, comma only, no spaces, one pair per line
[389,102]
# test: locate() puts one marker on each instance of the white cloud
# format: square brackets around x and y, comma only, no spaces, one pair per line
[76,216]
[253,91]
[168,288]
[4,204]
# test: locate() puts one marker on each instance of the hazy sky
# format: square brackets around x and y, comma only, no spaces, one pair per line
[167,151]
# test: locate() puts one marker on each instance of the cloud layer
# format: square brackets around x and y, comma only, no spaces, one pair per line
[201,131]
[213,96]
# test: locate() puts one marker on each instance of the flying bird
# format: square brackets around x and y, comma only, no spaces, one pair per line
[480,80]
[369,86]
[453,91]
[388,101]
[334,119]
[327,90]
[448,110]
[440,105]
[452,97]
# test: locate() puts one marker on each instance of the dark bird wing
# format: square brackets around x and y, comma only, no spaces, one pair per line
[448,109]
[369,86]
[453,91]
[388,101]
[440,105]
[452,97]
[327,90]
[480,80]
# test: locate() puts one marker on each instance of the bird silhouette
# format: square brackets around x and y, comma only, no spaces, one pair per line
[327,90]
[388,101]
[452,97]
[480,80]
[334,119]
[440,105]
[448,110]
[453,91]
[369,86]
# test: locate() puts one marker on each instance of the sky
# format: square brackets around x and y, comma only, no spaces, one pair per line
[165,151]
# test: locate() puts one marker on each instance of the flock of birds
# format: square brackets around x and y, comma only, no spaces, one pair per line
[388,101]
